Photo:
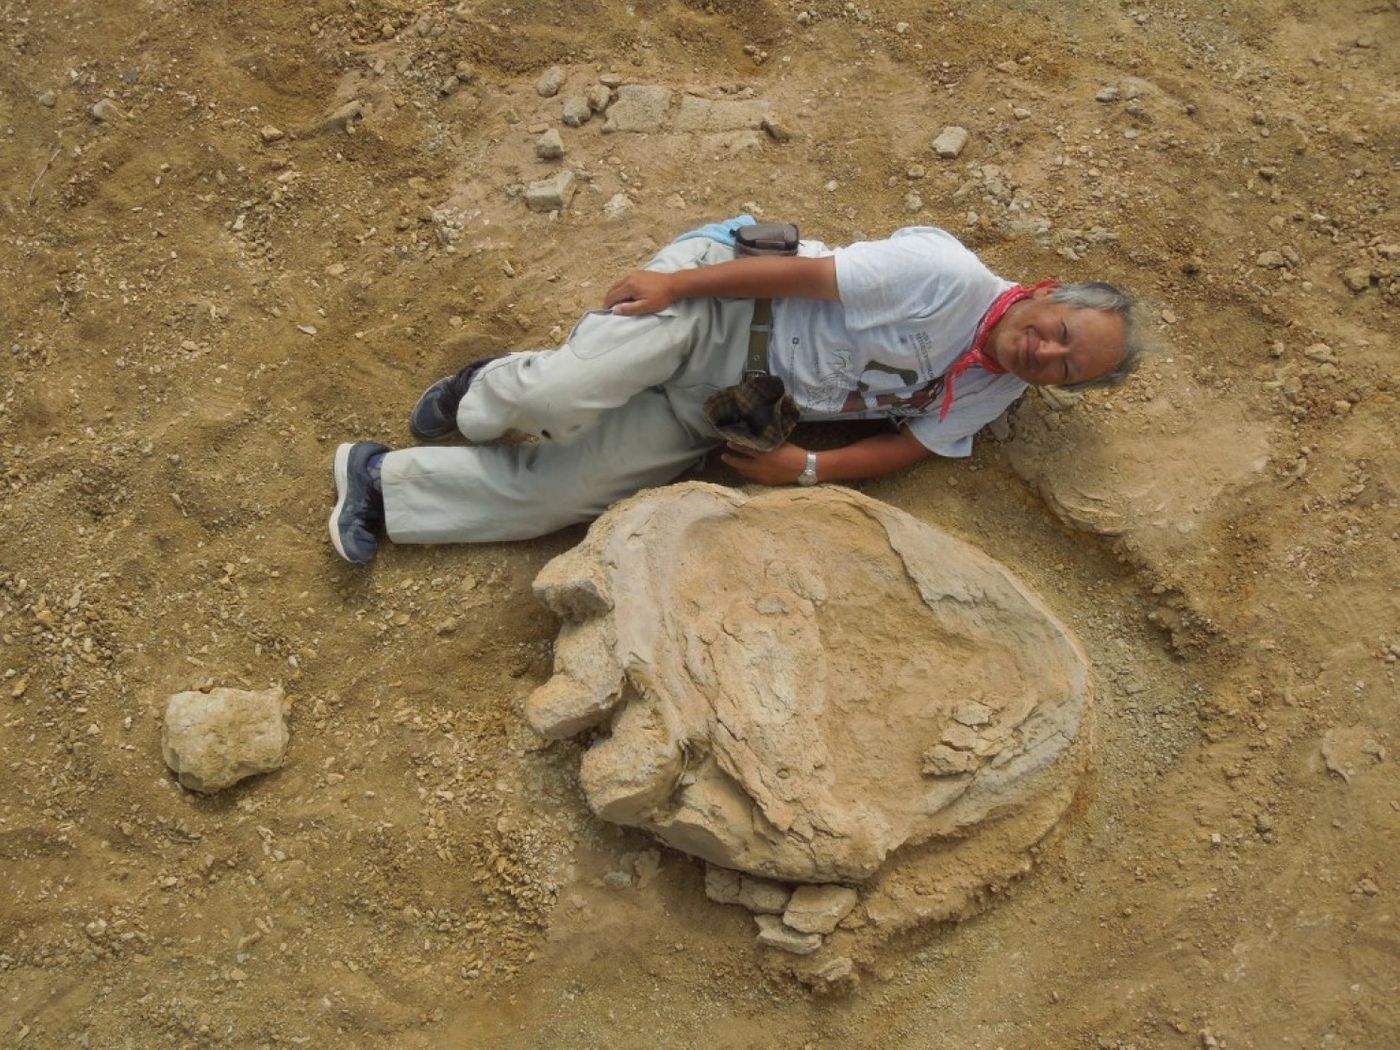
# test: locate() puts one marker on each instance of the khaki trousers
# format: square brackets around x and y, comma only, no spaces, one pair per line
[617,409]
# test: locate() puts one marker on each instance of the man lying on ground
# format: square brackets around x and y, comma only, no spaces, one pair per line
[682,360]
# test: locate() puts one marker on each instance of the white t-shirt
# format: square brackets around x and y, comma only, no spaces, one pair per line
[909,308]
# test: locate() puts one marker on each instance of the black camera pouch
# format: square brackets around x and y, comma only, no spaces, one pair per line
[766,238]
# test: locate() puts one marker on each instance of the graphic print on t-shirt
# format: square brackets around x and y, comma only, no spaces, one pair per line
[890,389]
[828,389]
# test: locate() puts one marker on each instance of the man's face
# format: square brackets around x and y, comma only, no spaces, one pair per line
[1053,344]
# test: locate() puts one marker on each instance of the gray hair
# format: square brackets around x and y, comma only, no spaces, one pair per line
[1096,295]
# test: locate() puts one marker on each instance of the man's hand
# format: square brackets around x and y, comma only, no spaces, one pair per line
[866,458]
[779,467]
[641,292]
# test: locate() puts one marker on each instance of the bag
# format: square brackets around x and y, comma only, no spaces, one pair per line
[766,238]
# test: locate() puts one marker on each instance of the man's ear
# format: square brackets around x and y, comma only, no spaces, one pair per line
[1043,293]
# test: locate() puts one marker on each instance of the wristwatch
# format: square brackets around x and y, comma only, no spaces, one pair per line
[809,472]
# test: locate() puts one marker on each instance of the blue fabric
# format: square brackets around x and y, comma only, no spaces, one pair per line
[719,231]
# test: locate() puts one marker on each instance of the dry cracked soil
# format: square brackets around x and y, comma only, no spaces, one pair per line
[235,235]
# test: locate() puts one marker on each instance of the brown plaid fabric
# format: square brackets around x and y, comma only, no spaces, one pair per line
[757,413]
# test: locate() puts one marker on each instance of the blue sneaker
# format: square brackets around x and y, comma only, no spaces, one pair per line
[358,517]
[435,415]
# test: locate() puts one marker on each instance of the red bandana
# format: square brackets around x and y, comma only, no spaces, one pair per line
[976,356]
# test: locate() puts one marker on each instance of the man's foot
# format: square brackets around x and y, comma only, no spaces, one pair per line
[358,517]
[435,415]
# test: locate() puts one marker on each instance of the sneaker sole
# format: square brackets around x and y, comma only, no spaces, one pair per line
[341,469]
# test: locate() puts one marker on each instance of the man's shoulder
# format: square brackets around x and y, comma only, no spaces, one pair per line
[927,244]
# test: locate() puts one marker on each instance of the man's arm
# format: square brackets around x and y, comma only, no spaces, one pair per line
[866,458]
[758,277]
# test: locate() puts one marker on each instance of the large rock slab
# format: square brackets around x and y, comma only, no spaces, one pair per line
[639,107]
[773,670]
[709,115]
[1155,480]
[213,740]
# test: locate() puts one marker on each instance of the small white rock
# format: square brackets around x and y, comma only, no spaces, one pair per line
[721,884]
[549,146]
[619,204]
[212,740]
[548,85]
[599,97]
[762,896]
[105,110]
[550,194]
[773,934]
[817,909]
[576,111]
[950,142]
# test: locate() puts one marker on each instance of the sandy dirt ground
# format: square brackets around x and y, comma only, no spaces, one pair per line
[211,279]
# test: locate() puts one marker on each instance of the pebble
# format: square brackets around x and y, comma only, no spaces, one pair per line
[1270,260]
[1169,316]
[599,97]
[773,934]
[1358,278]
[818,909]
[762,896]
[47,99]
[465,72]
[1008,66]
[838,973]
[270,134]
[548,85]
[343,116]
[619,204]
[104,109]
[551,194]
[212,740]
[610,80]
[950,142]
[972,713]
[721,884]
[1109,93]
[549,146]
[577,111]
[776,129]
[912,201]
